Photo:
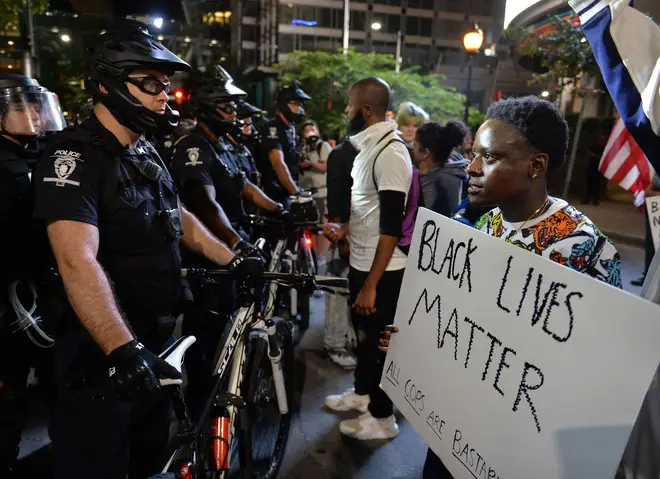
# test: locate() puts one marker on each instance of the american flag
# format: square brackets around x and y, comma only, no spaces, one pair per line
[624,163]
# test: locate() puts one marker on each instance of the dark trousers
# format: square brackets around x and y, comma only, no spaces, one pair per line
[14,369]
[95,435]
[370,360]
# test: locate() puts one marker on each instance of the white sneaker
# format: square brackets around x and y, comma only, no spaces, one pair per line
[347,401]
[342,358]
[366,427]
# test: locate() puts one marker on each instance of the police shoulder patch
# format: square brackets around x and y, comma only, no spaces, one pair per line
[67,168]
[193,157]
[272,132]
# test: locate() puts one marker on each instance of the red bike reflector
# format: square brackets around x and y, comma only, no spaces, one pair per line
[186,470]
[308,241]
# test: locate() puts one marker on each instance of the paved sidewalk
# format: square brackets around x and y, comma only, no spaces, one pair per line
[622,222]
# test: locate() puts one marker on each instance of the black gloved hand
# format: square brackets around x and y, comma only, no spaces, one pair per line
[246,268]
[134,370]
[247,250]
[286,216]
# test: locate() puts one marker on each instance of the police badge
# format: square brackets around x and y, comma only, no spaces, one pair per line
[64,165]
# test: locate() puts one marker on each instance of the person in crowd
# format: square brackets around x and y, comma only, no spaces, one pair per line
[207,169]
[466,150]
[409,118]
[442,169]
[249,137]
[26,111]
[649,247]
[382,176]
[115,224]
[594,178]
[521,141]
[337,328]
[314,164]
[278,156]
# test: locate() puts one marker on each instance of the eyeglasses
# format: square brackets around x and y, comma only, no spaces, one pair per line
[150,85]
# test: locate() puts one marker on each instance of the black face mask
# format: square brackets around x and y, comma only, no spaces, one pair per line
[357,124]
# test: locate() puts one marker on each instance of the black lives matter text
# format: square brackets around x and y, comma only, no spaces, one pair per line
[460,335]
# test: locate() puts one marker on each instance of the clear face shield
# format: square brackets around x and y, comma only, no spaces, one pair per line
[30,113]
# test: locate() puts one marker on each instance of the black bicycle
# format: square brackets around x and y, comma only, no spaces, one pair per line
[252,399]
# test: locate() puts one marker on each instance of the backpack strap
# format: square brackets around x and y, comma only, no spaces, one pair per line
[373,168]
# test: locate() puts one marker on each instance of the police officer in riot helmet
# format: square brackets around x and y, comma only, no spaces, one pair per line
[208,171]
[115,222]
[278,156]
[207,167]
[250,116]
[27,110]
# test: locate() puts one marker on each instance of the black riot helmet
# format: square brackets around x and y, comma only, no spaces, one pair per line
[27,109]
[249,115]
[207,93]
[116,54]
[289,93]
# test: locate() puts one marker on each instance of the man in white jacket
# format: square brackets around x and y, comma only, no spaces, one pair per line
[626,44]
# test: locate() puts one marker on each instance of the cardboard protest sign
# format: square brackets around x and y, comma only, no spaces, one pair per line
[511,366]
[653,210]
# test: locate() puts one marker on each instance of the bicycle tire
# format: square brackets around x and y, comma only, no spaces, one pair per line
[266,461]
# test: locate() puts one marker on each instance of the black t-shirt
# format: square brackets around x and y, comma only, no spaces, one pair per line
[198,160]
[87,176]
[276,135]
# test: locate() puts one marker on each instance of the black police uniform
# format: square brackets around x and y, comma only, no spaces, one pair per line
[87,176]
[199,160]
[277,135]
[20,255]
[246,162]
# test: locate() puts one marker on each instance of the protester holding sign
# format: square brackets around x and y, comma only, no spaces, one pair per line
[520,142]
[382,175]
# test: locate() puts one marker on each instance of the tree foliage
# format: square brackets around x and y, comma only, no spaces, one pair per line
[562,50]
[10,10]
[327,77]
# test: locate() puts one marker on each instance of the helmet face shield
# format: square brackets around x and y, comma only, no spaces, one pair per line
[30,113]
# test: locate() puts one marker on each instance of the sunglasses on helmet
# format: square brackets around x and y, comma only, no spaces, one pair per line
[150,85]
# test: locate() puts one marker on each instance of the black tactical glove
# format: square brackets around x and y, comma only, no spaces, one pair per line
[134,370]
[285,216]
[246,268]
[247,250]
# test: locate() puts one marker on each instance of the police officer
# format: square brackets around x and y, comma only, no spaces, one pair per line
[115,223]
[26,110]
[249,138]
[278,156]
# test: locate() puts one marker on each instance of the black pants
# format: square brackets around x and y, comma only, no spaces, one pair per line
[205,317]
[95,435]
[370,359]
[14,369]
[434,468]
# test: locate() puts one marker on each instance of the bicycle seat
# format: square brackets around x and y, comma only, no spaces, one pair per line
[174,357]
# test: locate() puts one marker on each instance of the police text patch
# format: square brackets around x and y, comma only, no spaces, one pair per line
[64,166]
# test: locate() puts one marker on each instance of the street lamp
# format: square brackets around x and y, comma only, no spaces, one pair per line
[65,38]
[472,42]
[397,59]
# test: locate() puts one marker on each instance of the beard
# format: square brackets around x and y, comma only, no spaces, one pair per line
[356,124]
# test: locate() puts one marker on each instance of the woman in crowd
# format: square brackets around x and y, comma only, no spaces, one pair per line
[409,118]
[442,169]
[522,140]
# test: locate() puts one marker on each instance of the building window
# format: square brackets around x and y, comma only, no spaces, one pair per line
[425,27]
[251,9]
[358,20]
[286,43]
[455,5]
[250,33]
[412,25]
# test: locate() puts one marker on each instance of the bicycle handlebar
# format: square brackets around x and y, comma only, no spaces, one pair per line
[301,279]
[263,220]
